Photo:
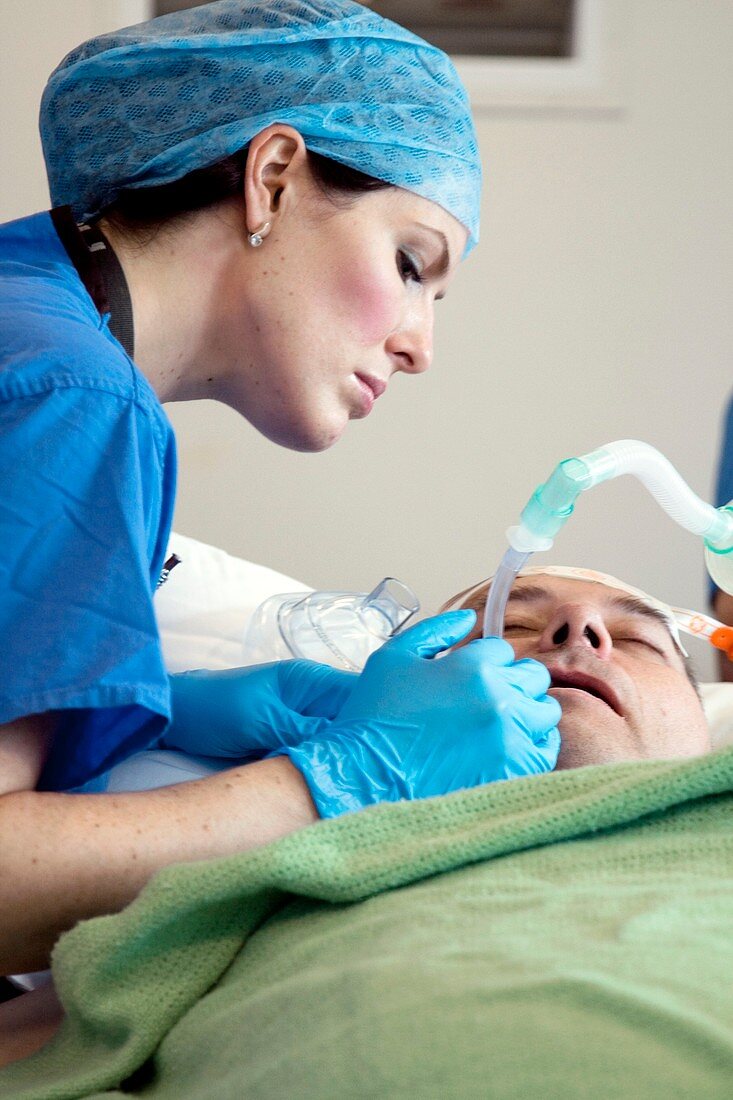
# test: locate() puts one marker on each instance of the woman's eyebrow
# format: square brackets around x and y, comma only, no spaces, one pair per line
[442,266]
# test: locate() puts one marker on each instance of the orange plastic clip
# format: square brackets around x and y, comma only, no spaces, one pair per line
[722,638]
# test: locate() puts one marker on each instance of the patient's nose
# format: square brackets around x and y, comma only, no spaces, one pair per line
[577,625]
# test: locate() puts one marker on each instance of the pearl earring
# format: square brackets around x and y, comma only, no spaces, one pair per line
[258,235]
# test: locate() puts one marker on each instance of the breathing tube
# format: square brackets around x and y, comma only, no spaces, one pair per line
[551,505]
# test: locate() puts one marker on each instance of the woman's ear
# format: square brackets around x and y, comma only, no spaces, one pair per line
[277,160]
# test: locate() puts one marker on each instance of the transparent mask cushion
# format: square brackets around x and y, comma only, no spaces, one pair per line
[344,628]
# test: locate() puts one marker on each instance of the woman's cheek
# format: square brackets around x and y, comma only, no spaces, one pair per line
[374,306]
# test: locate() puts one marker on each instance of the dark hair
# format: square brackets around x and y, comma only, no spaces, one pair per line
[146,208]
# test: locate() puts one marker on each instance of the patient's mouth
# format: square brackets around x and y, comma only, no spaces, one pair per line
[591,685]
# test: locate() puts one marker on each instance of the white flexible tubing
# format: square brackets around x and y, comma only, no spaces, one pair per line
[504,577]
[662,480]
[657,475]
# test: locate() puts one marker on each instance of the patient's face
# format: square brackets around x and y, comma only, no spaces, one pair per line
[616,672]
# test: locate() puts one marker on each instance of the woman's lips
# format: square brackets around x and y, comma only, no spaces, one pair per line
[371,388]
[583,681]
[376,385]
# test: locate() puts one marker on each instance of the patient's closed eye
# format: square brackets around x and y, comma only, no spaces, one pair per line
[523,628]
[639,640]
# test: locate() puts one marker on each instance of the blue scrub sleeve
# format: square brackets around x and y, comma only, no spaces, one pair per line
[85,508]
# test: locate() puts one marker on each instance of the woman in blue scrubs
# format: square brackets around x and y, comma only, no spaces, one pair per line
[257,203]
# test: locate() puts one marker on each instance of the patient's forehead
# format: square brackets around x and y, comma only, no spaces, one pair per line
[541,587]
[559,589]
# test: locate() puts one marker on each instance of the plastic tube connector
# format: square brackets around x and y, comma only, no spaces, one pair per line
[719,564]
[524,541]
[720,539]
[550,506]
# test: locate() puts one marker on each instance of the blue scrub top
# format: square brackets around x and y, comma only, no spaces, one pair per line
[87,484]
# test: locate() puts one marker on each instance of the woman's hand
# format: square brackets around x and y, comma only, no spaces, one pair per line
[414,727]
[245,713]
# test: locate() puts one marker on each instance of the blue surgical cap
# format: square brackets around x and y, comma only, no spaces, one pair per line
[146,105]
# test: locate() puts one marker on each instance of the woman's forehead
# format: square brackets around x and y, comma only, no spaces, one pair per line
[407,208]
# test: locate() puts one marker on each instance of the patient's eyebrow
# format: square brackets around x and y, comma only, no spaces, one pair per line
[634,606]
[529,593]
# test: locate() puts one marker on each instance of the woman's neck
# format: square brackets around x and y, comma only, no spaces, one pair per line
[174,279]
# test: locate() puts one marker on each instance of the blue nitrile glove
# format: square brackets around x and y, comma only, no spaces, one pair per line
[413,727]
[244,713]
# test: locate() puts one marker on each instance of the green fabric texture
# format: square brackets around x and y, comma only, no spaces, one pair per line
[567,935]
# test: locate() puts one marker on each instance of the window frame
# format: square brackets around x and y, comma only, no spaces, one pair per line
[591,79]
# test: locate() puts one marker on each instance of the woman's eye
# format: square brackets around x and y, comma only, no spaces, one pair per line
[519,628]
[407,267]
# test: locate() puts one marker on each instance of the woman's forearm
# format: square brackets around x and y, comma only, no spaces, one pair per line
[65,857]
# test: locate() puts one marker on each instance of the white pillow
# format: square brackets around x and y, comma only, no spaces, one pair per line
[717,699]
[204,607]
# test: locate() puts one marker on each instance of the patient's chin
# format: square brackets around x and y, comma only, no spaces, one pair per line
[582,749]
[573,759]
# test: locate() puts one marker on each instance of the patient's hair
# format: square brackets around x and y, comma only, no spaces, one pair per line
[477,603]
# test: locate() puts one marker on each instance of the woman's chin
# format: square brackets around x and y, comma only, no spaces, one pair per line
[322,442]
[310,437]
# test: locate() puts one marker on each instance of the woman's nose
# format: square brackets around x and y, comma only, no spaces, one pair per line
[577,625]
[411,347]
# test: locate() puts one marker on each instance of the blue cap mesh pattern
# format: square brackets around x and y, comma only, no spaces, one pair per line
[146,105]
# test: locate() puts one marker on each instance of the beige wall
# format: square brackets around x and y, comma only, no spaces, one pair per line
[596,307]
[34,36]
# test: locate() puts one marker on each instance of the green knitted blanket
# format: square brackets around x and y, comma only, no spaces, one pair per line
[562,936]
